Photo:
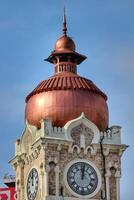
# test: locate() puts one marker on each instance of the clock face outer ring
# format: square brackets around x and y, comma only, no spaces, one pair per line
[33,169]
[98,176]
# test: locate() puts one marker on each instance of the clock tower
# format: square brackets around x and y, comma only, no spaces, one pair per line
[67,150]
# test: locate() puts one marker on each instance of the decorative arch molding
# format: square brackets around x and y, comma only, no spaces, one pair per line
[77,149]
[90,148]
[82,120]
[27,137]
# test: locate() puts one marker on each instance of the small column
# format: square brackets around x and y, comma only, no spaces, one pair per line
[18,193]
[57,179]
[46,180]
[107,175]
[117,176]
[42,180]
[58,60]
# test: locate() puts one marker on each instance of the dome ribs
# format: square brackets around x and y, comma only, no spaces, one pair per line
[68,82]
[47,84]
[51,83]
[77,82]
[42,85]
[86,84]
[56,80]
[81,81]
[64,82]
[73,83]
[59,86]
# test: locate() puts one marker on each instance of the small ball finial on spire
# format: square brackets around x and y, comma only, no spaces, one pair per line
[64,23]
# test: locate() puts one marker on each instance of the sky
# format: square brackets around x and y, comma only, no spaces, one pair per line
[103,30]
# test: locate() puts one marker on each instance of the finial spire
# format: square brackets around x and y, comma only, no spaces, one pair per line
[64,23]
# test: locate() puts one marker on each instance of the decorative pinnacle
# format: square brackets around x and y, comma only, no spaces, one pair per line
[64,23]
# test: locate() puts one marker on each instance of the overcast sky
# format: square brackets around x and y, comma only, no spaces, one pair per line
[103,31]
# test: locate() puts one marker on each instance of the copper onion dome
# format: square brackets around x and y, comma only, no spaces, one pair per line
[66,95]
[64,43]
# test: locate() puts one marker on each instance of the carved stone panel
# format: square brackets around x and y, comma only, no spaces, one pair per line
[82,135]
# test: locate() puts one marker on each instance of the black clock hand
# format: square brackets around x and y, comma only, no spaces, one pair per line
[82,172]
[32,177]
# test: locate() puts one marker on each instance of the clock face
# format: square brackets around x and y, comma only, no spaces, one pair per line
[32,184]
[82,178]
